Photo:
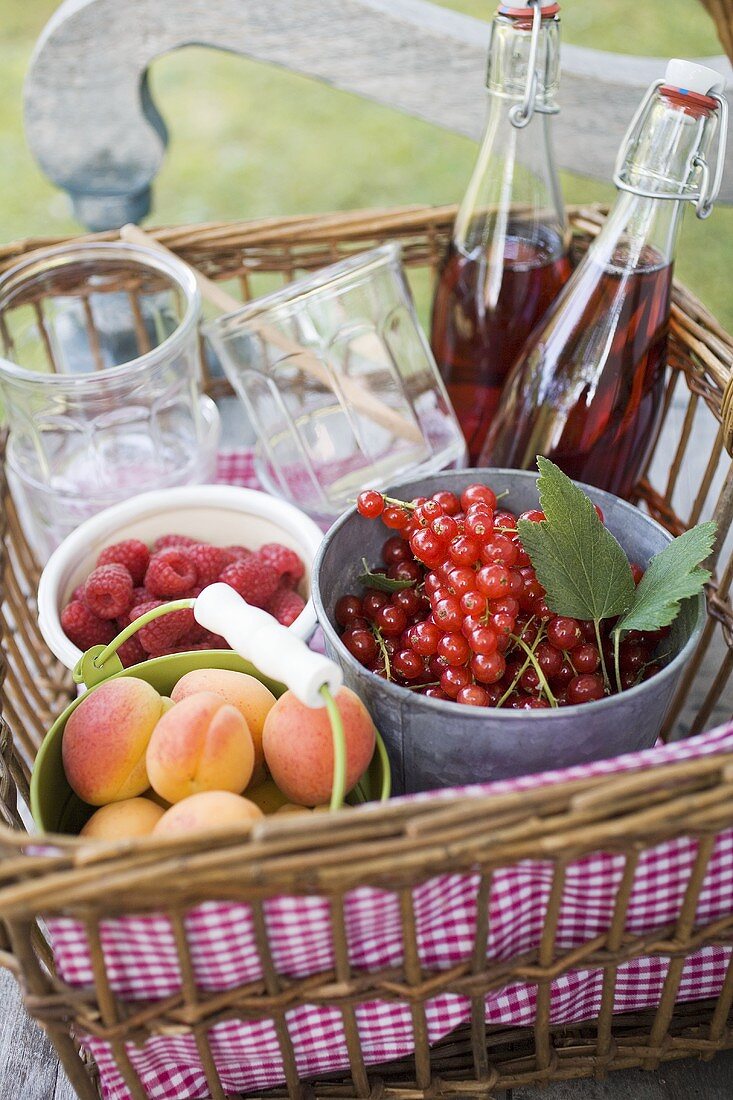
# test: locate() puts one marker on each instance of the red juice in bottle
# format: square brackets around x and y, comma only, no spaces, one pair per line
[597,424]
[480,324]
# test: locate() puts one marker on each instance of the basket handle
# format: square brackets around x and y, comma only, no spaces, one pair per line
[250,631]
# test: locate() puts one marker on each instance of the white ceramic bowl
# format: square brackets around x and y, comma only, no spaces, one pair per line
[223,514]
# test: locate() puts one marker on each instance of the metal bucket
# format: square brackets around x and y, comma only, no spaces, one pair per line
[433,743]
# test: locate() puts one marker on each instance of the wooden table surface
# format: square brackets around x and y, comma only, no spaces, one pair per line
[29,1069]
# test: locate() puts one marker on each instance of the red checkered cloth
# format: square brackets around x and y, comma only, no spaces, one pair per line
[142,960]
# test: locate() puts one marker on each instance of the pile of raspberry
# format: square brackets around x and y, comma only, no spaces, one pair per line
[472,624]
[130,578]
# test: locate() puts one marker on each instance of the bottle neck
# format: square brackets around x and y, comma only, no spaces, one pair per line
[658,172]
[514,183]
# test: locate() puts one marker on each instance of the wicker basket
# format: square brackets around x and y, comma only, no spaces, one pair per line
[401,845]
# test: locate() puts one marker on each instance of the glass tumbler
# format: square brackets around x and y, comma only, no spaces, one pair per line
[100,383]
[339,383]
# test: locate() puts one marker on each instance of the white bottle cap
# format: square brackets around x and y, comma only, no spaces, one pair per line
[688,76]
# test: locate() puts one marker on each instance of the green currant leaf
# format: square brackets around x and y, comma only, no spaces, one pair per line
[378,580]
[673,575]
[579,563]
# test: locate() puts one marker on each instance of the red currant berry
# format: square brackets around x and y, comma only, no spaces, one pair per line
[425,513]
[453,679]
[424,638]
[448,615]
[503,623]
[479,526]
[407,664]
[437,666]
[472,494]
[483,640]
[499,548]
[391,620]
[534,515]
[505,604]
[585,658]
[599,513]
[395,517]
[448,501]
[488,668]
[564,632]
[529,631]
[564,675]
[409,600]
[516,584]
[370,504]
[587,629]
[473,695]
[549,659]
[426,546]
[347,607]
[471,623]
[464,550]
[636,572]
[473,603]
[444,528]
[462,580]
[507,521]
[493,581]
[529,681]
[541,611]
[585,688]
[632,656]
[371,603]
[454,648]
[405,571]
[361,644]
[395,549]
[531,702]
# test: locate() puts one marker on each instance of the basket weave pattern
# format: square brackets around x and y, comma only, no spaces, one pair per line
[400,846]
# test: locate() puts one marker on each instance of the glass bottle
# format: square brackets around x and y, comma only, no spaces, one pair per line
[587,390]
[508,257]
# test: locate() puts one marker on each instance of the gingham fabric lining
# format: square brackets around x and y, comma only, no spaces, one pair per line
[142,964]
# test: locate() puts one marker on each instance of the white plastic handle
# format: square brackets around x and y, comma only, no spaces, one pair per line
[271,647]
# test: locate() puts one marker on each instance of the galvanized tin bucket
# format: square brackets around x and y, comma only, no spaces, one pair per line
[433,743]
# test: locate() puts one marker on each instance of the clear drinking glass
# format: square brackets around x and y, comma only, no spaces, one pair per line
[339,383]
[100,382]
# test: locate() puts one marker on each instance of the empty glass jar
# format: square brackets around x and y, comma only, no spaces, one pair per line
[339,383]
[100,382]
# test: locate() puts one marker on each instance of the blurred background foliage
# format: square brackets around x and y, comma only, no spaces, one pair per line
[248,140]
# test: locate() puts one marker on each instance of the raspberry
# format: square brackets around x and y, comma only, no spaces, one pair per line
[131,553]
[131,652]
[235,553]
[170,573]
[253,579]
[83,628]
[159,636]
[286,605]
[166,541]
[283,560]
[209,562]
[108,591]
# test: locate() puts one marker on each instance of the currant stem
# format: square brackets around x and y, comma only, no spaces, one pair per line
[606,681]
[383,649]
[616,665]
[538,669]
[399,503]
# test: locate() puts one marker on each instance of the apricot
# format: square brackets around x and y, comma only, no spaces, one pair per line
[106,738]
[298,746]
[208,811]
[123,820]
[267,796]
[200,744]
[244,692]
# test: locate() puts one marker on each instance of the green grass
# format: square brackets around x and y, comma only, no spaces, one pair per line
[249,140]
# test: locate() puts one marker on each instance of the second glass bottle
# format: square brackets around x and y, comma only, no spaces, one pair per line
[508,257]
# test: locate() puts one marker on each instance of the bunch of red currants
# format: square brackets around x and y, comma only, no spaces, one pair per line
[467,618]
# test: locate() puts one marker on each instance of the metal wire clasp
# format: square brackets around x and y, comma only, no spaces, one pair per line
[521,113]
[703,199]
